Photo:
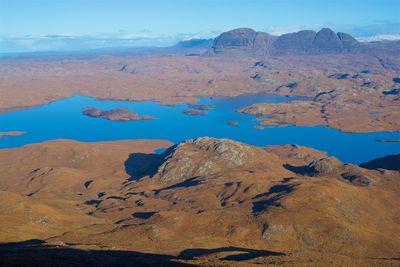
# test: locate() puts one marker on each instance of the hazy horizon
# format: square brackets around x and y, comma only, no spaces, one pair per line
[44,25]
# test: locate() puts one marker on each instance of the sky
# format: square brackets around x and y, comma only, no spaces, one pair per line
[52,25]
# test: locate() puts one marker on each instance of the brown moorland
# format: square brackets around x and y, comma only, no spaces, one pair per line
[204,202]
[350,92]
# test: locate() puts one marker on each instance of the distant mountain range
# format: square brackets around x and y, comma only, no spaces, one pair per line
[237,42]
[325,41]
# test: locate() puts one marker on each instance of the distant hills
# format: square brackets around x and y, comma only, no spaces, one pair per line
[237,42]
[325,41]
[196,43]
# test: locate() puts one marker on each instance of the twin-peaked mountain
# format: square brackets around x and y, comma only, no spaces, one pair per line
[248,41]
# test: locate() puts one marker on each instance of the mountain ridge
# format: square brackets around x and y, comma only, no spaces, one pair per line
[249,41]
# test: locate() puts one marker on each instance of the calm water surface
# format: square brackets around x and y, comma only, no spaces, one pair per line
[63,119]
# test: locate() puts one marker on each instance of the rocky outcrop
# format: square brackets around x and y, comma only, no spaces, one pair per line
[248,41]
[204,156]
[356,176]
[323,166]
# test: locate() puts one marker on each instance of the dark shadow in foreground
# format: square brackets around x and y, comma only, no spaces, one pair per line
[242,255]
[35,253]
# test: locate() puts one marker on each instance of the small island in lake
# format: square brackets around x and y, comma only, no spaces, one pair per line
[116,114]
[193,112]
[258,127]
[387,140]
[201,107]
[12,133]
[233,123]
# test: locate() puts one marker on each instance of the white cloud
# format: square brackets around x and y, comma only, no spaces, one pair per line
[279,30]
[379,37]
[30,42]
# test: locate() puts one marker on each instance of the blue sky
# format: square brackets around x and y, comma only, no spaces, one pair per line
[34,25]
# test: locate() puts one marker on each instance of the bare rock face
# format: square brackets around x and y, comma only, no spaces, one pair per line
[250,42]
[294,43]
[327,41]
[323,166]
[349,43]
[204,156]
[243,40]
[356,176]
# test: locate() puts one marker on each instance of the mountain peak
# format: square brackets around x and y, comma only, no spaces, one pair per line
[251,42]
[245,40]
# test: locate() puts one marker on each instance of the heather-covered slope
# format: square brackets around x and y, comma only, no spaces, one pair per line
[205,202]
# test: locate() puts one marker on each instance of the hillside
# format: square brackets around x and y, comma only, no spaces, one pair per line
[202,202]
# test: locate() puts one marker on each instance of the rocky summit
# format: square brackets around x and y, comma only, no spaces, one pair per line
[203,202]
[245,40]
[248,41]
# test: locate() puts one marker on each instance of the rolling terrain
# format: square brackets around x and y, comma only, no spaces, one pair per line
[345,79]
[203,202]
[206,201]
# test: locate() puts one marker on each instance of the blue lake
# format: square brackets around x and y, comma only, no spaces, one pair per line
[63,119]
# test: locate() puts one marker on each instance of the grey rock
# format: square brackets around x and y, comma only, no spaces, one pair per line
[247,41]
[202,156]
[354,175]
[294,43]
[243,40]
[323,166]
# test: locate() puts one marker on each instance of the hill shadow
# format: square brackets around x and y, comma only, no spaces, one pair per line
[390,162]
[139,165]
[272,197]
[185,184]
[35,253]
[242,255]
[301,170]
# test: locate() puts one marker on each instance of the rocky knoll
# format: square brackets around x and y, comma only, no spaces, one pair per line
[208,156]
[248,41]
[116,114]
[204,202]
